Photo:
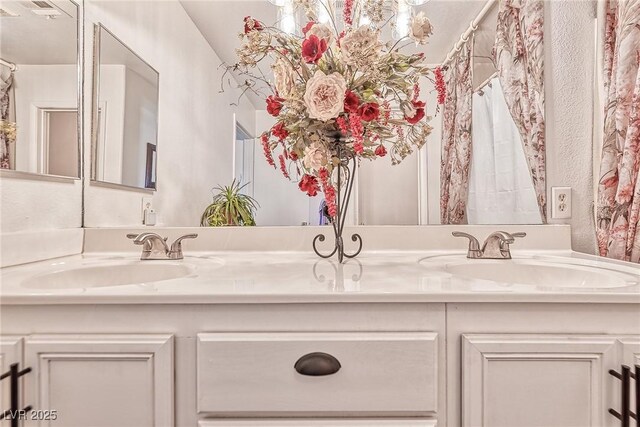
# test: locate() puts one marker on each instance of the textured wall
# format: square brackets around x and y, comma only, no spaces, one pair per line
[569,78]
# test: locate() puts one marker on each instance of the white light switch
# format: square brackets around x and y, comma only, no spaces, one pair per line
[560,202]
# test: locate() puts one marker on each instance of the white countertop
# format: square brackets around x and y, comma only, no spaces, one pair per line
[302,277]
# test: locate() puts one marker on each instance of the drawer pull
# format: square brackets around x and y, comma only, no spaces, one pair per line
[317,364]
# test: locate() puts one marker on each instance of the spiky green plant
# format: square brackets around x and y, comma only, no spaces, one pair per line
[230,207]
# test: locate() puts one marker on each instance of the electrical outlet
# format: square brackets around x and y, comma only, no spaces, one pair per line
[147,205]
[560,202]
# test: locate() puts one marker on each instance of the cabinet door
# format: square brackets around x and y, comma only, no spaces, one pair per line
[630,356]
[536,380]
[630,351]
[10,352]
[102,380]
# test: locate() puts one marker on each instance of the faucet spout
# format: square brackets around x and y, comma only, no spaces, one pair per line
[154,246]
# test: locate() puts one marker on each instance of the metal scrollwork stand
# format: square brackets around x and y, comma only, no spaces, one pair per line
[347,165]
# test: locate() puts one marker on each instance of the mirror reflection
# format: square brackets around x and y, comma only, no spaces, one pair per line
[484,162]
[39,83]
[126,115]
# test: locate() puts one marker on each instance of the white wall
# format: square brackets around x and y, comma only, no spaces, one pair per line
[388,194]
[281,201]
[34,203]
[195,134]
[109,149]
[569,76]
[140,127]
[40,86]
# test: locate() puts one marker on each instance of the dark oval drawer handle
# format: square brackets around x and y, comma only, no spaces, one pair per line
[317,364]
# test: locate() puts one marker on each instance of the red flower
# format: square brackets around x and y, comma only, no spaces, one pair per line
[279,131]
[441,86]
[313,48]
[308,27]
[343,125]
[329,192]
[358,148]
[283,166]
[274,105]
[369,111]
[381,151]
[347,11]
[309,184]
[251,24]
[264,139]
[351,102]
[419,115]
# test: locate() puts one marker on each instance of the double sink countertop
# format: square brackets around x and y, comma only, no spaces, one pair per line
[545,276]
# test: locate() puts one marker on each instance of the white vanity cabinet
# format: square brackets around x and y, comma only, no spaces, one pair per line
[546,366]
[94,379]
[401,364]
[10,353]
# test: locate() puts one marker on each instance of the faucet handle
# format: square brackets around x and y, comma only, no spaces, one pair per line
[519,234]
[176,247]
[132,236]
[474,245]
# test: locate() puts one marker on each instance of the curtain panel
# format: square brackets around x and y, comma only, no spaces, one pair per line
[456,138]
[7,123]
[618,200]
[519,56]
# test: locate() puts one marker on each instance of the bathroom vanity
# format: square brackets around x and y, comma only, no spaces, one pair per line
[214,339]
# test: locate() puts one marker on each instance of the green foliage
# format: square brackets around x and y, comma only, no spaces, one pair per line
[230,207]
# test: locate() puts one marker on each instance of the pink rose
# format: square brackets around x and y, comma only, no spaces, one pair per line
[324,95]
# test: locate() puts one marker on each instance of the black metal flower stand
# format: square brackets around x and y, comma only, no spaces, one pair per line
[346,166]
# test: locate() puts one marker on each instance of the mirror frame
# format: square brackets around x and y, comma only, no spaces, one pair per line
[12,173]
[97,27]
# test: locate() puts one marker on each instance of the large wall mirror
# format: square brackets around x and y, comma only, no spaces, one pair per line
[39,87]
[485,162]
[479,165]
[125,132]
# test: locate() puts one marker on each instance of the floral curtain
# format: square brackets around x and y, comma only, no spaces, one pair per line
[7,123]
[618,201]
[519,58]
[456,139]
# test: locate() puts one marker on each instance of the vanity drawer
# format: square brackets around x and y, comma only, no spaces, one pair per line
[256,422]
[379,373]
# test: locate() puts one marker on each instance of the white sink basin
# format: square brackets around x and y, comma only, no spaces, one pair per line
[108,275]
[539,272]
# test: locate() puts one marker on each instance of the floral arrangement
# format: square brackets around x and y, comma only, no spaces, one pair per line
[338,80]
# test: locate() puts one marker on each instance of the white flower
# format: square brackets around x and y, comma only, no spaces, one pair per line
[361,47]
[420,28]
[324,95]
[316,156]
[321,31]
[284,78]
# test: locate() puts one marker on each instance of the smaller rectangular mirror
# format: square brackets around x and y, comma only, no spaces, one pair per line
[39,87]
[125,116]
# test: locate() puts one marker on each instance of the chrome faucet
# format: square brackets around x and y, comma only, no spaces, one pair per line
[154,246]
[496,246]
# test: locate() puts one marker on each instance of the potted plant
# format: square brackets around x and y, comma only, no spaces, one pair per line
[230,207]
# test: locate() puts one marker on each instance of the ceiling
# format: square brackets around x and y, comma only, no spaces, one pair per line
[27,38]
[220,21]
